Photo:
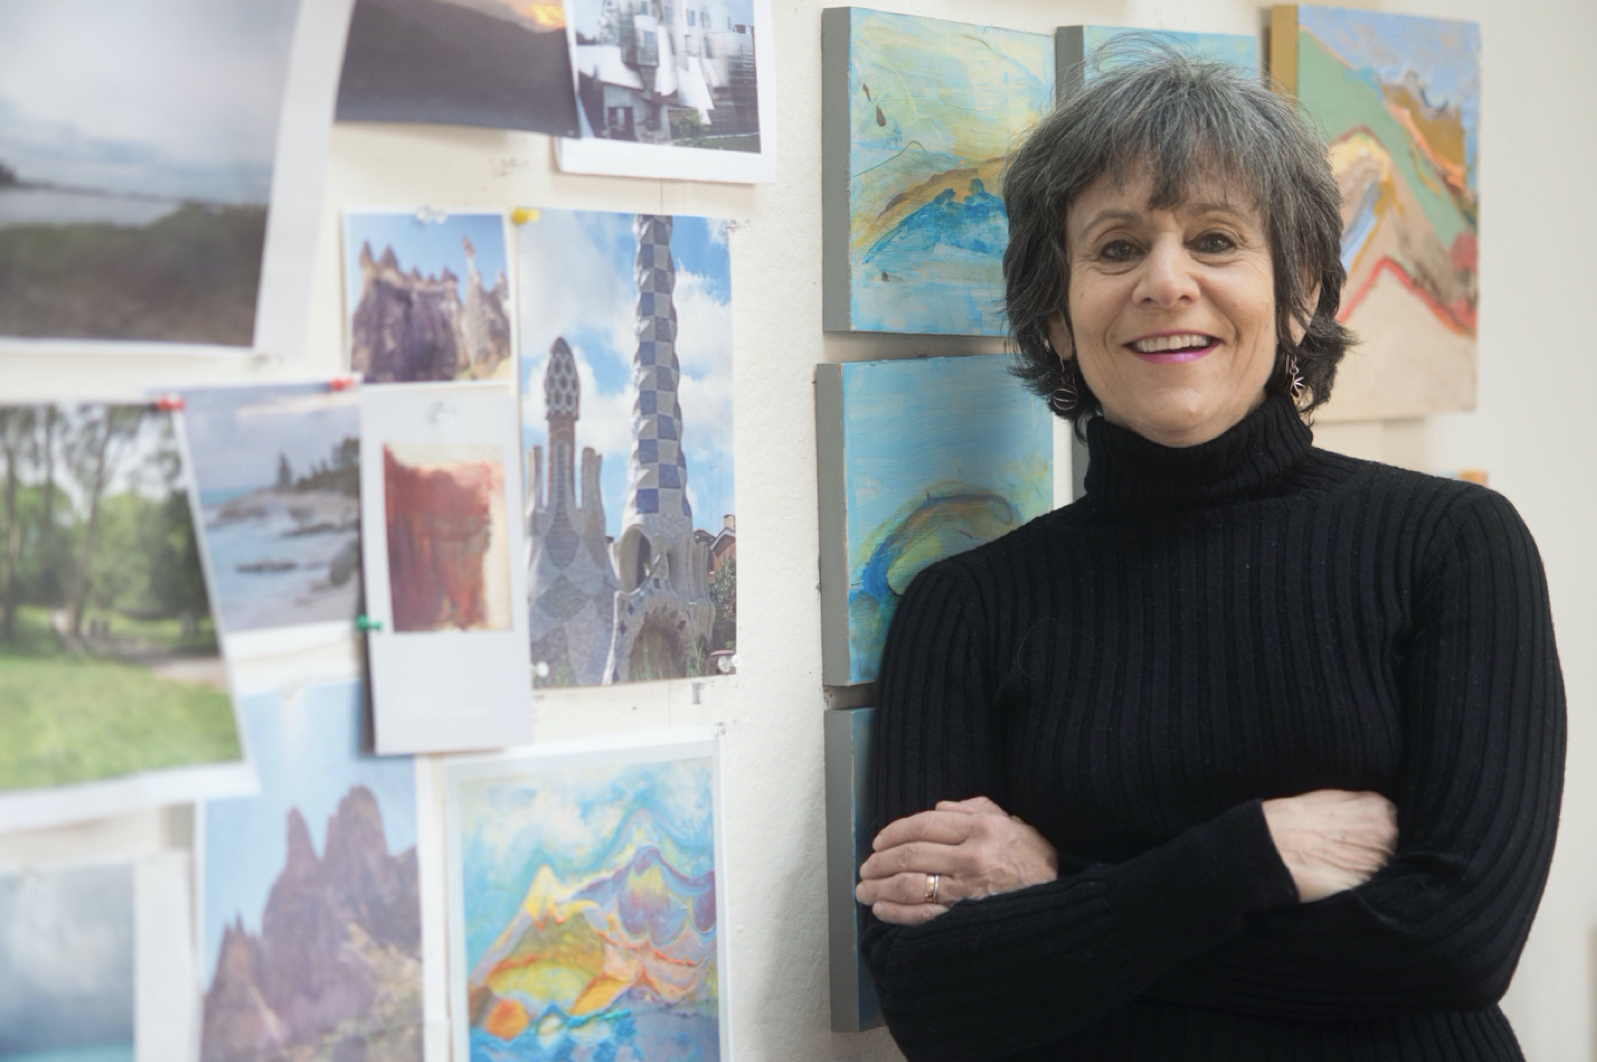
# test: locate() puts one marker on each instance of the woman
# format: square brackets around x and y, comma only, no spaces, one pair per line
[1255,751]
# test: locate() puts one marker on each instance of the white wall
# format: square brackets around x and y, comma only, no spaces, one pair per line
[1531,431]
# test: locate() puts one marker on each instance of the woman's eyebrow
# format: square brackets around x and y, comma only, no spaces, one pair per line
[1109,214]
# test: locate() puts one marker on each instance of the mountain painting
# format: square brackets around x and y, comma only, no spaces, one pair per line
[917,119]
[1397,98]
[138,140]
[920,459]
[311,917]
[585,906]
[448,551]
[427,295]
[278,472]
[66,965]
[503,64]
[109,664]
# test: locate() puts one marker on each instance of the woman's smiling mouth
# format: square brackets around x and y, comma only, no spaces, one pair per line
[1173,347]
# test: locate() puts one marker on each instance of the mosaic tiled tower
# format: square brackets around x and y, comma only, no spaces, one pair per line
[573,587]
[663,610]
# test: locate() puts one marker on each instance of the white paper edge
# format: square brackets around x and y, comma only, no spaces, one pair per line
[507,235]
[294,205]
[573,752]
[166,1010]
[620,158]
[430,871]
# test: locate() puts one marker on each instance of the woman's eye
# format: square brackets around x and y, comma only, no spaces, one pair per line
[1118,251]
[1215,243]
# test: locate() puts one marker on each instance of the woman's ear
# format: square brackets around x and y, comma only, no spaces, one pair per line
[1311,302]
[1059,337]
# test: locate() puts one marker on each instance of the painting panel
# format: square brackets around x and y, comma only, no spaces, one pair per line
[446,620]
[277,468]
[587,899]
[67,964]
[109,665]
[1076,47]
[626,420]
[918,117]
[141,145]
[311,912]
[849,834]
[503,64]
[427,296]
[919,459]
[685,91]
[1397,98]
[448,559]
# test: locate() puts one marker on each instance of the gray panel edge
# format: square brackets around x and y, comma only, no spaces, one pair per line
[832,486]
[841,917]
[1069,59]
[836,26]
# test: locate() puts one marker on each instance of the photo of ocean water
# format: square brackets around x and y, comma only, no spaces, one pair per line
[279,560]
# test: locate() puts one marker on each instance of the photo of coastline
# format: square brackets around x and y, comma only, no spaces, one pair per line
[138,140]
[278,472]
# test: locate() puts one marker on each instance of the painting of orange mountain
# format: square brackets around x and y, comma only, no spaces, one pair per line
[1397,99]
[585,907]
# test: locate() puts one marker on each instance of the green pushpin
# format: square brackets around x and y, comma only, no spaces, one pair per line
[362,623]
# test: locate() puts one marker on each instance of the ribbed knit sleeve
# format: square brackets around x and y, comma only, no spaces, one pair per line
[1442,926]
[1016,971]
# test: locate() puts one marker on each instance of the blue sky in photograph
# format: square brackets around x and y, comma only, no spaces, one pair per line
[307,751]
[429,246]
[171,98]
[66,959]
[575,280]
[235,434]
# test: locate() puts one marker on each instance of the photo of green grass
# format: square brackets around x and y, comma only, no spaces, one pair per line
[109,664]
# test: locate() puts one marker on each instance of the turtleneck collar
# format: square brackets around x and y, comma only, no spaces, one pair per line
[1131,475]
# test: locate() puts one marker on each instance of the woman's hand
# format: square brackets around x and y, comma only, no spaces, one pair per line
[973,847]
[1332,839]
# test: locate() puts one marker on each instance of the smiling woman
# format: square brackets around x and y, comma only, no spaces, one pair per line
[1255,751]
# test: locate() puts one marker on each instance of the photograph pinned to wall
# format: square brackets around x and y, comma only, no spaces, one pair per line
[503,64]
[626,384]
[113,693]
[161,171]
[849,833]
[1397,99]
[679,90]
[917,118]
[427,295]
[310,918]
[587,903]
[443,559]
[96,961]
[1075,48]
[277,469]
[919,459]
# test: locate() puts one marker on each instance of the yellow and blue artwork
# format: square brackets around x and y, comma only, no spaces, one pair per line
[1397,98]
[920,459]
[584,910]
[919,117]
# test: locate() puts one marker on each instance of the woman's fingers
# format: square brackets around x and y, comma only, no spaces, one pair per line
[1332,839]
[907,914]
[939,827]
[909,889]
[922,856]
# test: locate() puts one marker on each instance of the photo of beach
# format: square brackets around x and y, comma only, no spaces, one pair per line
[278,471]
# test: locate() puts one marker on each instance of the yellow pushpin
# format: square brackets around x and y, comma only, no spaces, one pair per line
[522,215]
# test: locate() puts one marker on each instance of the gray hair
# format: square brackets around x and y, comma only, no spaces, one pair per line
[1183,119]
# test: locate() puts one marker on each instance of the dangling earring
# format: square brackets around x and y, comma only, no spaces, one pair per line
[1065,398]
[1294,378]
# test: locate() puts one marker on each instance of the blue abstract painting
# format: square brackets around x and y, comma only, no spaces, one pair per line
[934,108]
[66,965]
[1239,49]
[939,455]
[584,906]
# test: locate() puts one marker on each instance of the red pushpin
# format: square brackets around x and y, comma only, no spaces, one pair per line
[342,383]
[169,403]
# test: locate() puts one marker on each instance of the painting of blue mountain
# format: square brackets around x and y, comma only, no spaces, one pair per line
[585,909]
[1079,58]
[66,965]
[933,109]
[938,455]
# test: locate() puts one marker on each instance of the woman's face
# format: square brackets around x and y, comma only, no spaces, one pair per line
[1172,310]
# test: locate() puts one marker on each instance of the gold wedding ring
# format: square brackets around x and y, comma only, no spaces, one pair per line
[933,883]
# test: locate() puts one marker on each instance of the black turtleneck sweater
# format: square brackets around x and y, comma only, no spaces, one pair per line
[1131,674]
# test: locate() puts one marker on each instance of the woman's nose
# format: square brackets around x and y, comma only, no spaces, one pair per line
[1168,275]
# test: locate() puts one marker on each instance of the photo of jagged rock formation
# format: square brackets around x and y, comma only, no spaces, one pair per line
[419,308]
[335,971]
